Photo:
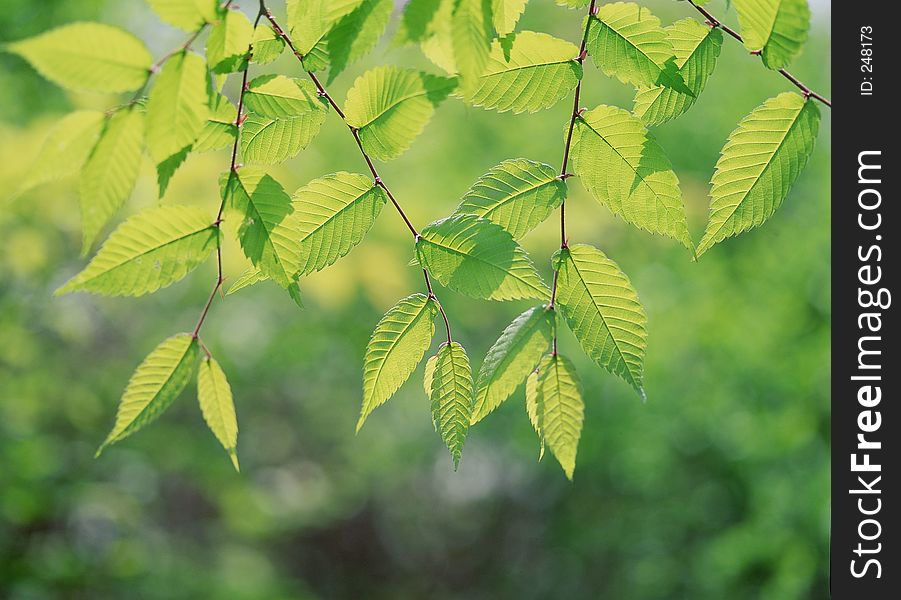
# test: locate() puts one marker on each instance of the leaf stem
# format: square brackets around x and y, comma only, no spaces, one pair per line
[713,22]
[323,92]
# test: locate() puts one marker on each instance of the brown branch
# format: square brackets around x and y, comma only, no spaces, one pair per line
[716,23]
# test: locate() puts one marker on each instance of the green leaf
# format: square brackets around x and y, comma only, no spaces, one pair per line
[518,195]
[285,115]
[154,385]
[777,29]
[436,41]
[267,45]
[356,34]
[558,410]
[266,233]
[471,33]
[532,392]
[66,148]
[626,41]
[573,3]
[513,356]
[697,47]
[149,251]
[88,56]
[333,214]
[397,345]
[177,107]
[166,169]
[602,310]
[450,391]
[759,164]
[419,21]
[110,173]
[478,258]
[251,276]
[505,14]
[310,22]
[219,131]
[188,15]
[229,42]
[625,169]
[391,106]
[218,407]
[428,375]
[526,71]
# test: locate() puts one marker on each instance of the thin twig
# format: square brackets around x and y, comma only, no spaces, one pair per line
[714,23]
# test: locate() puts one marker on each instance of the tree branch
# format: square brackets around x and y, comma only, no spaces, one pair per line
[714,23]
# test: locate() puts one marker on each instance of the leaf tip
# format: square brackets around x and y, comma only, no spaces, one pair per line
[233,455]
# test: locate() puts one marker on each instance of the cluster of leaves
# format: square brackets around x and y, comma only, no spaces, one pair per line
[178,108]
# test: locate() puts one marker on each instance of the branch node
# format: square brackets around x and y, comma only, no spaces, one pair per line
[582,55]
[565,176]
[378,181]
[756,52]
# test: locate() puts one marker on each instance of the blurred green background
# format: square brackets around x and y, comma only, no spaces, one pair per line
[717,487]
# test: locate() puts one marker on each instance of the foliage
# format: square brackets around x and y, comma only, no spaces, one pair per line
[177,109]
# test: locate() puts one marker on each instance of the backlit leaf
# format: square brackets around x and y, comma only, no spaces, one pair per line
[558,410]
[218,408]
[451,395]
[229,41]
[775,28]
[177,106]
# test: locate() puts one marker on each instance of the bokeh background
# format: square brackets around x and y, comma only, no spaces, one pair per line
[717,487]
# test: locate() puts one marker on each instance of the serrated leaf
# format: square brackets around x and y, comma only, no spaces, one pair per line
[625,169]
[332,215]
[518,195]
[218,408]
[505,14]
[166,169]
[110,173]
[697,47]
[267,45]
[66,148]
[149,251]
[391,106]
[397,345]
[418,21]
[478,258]
[558,410]
[532,392]
[229,42]
[438,43]
[451,395]
[526,71]
[88,56]
[154,385]
[759,164]
[188,15]
[177,107]
[471,33]
[602,309]
[429,374]
[266,233]
[356,34]
[513,356]
[626,41]
[249,277]
[310,22]
[775,28]
[220,130]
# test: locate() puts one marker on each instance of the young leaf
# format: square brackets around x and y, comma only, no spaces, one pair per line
[602,310]
[558,410]
[66,148]
[759,164]
[356,34]
[154,385]
[188,15]
[625,169]
[478,258]
[391,106]
[526,71]
[512,357]
[450,391]
[177,106]
[777,29]
[626,41]
[251,276]
[395,348]
[518,195]
[266,233]
[505,14]
[471,33]
[532,392]
[219,131]
[267,45]
[230,38]
[218,408]
[697,47]
[109,175]
[333,214]
[149,251]
[88,56]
